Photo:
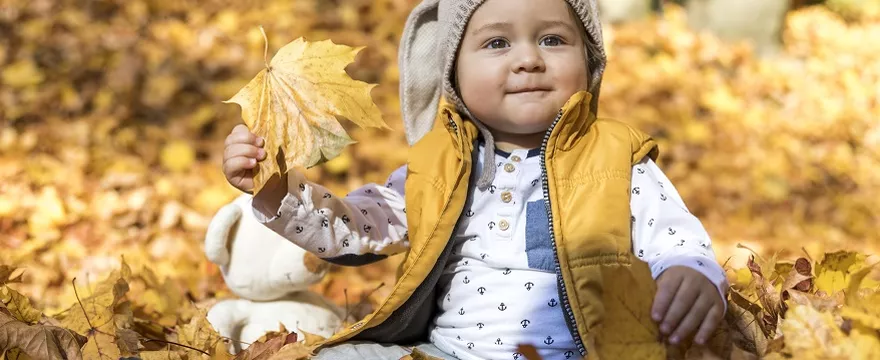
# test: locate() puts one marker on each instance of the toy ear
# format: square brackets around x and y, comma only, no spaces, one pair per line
[314,264]
[217,236]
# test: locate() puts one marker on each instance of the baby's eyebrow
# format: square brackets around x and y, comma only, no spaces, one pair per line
[503,26]
[493,26]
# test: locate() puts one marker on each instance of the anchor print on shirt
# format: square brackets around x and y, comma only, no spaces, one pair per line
[680,243]
[469,213]
[651,222]
[299,229]
[345,219]
[663,197]
[364,211]
[640,170]
[535,182]
[525,323]
[448,297]
[461,311]
[367,228]
[345,242]
[506,271]
[498,341]
[549,340]
[368,191]
[552,303]
[483,256]
[517,355]
[636,191]
[470,345]
[491,225]
[325,223]
[481,290]
[302,187]
[529,285]
[671,231]
[466,280]
[327,195]
[492,189]
[480,325]
[641,253]
[569,354]
[502,307]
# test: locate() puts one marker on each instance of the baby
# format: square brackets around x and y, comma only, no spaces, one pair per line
[517,209]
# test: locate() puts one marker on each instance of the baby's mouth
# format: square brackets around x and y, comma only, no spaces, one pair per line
[530,90]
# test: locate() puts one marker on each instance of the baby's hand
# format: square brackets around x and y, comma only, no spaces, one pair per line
[243,151]
[686,301]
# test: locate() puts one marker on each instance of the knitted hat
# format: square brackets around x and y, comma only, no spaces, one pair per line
[429,46]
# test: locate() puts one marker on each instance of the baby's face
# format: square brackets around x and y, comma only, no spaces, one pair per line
[519,62]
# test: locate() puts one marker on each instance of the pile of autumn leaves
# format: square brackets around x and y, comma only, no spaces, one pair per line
[114,320]
[825,309]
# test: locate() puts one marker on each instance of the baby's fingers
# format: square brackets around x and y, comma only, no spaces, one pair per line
[245,150]
[666,289]
[710,323]
[695,316]
[242,135]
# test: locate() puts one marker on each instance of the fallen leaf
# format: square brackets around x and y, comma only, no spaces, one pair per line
[39,341]
[294,103]
[6,273]
[266,346]
[200,334]
[18,305]
[159,355]
[810,334]
[293,351]
[833,273]
[865,310]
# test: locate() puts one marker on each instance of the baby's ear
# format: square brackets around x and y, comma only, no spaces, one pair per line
[217,236]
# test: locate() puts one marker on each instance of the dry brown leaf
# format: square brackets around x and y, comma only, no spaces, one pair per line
[39,341]
[294,103]
[266,346]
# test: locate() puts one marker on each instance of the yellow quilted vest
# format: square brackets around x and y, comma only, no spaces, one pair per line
[607,291]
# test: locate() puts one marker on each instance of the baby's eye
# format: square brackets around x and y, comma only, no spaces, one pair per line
[551,41]
[497,44]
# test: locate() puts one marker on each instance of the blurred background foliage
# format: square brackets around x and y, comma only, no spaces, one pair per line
[112,126]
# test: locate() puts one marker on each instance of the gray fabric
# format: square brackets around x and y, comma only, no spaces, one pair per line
[376,351]
[432,36]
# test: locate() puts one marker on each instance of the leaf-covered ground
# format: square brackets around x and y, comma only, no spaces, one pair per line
[112,133]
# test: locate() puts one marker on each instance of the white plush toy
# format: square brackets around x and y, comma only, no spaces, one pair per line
[270,274]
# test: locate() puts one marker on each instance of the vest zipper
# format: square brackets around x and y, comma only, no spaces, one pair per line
[563,295]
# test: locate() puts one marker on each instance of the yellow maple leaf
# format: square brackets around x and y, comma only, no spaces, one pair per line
[294,103]
[18,305]
[864,310]
[833,273]
[200,334]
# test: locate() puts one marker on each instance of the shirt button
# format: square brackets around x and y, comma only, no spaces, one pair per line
[504,225]
[515,158]
[506,196]
[509,167]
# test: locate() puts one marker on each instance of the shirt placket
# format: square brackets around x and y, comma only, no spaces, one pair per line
[506,195]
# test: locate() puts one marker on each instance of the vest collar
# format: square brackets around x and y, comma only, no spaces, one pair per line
[574,122]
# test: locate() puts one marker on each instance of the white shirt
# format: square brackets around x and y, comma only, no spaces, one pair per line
[503,247]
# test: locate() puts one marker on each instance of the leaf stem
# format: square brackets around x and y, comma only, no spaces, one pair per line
[73,282]
[265,47]
[146,340]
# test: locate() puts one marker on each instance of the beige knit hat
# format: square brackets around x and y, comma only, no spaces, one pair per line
[427,55]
